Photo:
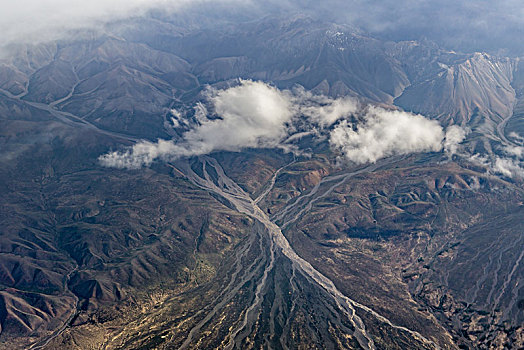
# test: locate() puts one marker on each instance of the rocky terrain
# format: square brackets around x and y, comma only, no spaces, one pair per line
[258,248]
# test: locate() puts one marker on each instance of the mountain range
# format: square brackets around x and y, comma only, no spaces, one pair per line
[260,247]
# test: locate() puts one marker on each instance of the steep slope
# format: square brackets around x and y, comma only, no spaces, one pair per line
[337,59]
[117,85]
[471,92]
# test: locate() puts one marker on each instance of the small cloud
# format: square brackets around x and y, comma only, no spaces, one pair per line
[508,167]
[323,110]
[516,151]
[474,183]
[454,136]
[516,137]
[141,154]
[385,133]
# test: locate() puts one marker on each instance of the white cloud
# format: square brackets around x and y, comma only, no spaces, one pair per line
[454,136]
[142,154]
[512,165]
[324,110]
[508,167]
[252,114]
[35,21]
[516,137]
[177,119]
[385,133]
[255,114]
[512,168]
[517,151]
[38,21]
